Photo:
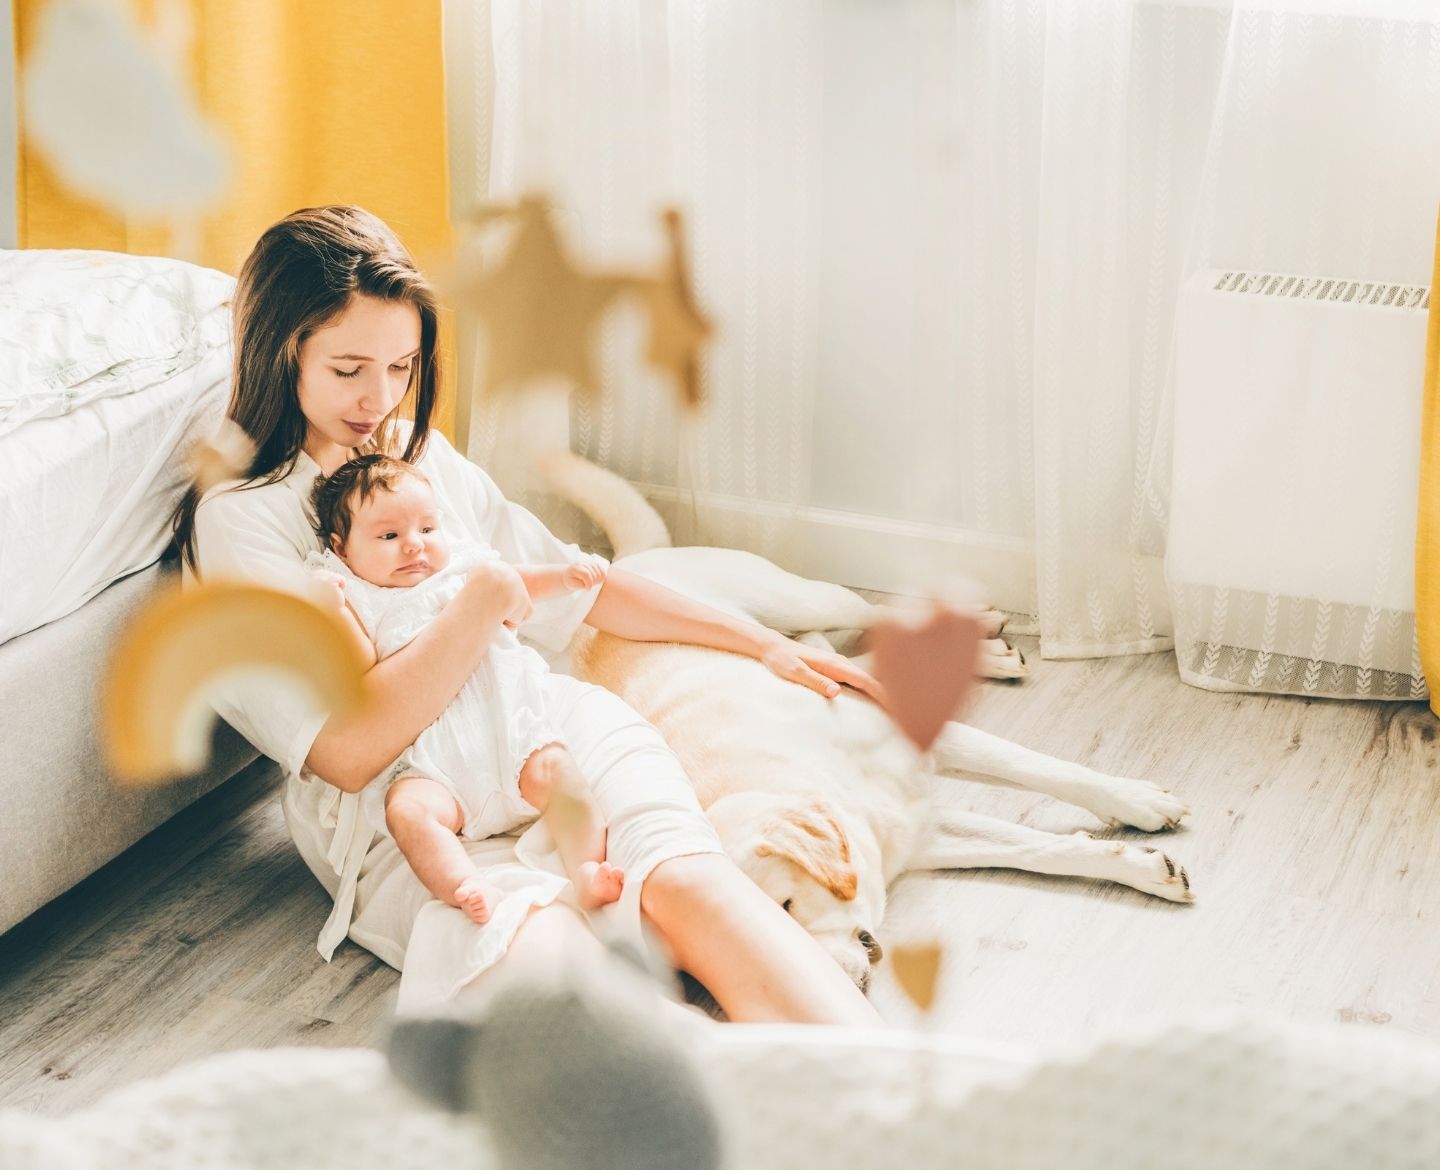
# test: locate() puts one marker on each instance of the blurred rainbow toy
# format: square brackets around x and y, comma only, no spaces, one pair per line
[184,644]
[155,709]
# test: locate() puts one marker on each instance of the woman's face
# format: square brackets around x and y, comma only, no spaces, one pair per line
[353,373]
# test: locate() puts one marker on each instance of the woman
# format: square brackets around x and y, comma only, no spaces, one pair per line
[334,327]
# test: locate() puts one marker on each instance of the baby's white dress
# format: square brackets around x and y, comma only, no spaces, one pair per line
[482,739]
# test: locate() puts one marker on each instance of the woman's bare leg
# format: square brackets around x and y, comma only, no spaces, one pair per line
[553,938]
[757,961]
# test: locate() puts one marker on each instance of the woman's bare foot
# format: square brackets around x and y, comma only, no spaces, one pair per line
[478,898]
[598,884]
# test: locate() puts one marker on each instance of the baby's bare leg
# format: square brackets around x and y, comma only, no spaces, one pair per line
[552,782]
[424,819]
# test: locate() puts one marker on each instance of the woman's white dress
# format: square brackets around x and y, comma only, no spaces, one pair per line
[262,535]
[480,742]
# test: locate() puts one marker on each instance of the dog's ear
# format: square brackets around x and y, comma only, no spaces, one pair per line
[812,838]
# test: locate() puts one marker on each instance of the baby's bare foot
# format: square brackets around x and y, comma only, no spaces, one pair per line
[599,884]
[478,898]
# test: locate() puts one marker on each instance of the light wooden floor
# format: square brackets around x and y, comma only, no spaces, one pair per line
[1314,847]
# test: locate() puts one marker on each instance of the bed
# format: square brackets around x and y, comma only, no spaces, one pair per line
[111,367]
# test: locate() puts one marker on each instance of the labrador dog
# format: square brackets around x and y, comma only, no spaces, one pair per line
[822,802]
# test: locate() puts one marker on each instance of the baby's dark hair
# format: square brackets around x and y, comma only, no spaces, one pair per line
[336,496]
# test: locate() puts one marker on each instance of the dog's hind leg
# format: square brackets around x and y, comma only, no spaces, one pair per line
[996,658]
[741,582]
[965,840]
[736,580]
[975,754]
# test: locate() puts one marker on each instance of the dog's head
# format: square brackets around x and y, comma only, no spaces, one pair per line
[798,850]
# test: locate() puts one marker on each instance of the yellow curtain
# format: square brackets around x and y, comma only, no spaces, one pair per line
[321,103]
[1427,538]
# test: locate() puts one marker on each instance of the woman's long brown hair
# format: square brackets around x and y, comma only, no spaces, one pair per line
[301,275]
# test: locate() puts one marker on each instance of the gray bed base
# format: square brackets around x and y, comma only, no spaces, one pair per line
[61,817]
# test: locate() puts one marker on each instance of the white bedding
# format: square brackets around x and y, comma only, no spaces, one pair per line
[111,366]
[87,498]
[78,326]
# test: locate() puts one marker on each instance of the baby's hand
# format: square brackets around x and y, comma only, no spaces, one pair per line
[585,575]
[330,587]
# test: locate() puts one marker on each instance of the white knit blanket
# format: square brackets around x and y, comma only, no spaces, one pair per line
[1225,1096]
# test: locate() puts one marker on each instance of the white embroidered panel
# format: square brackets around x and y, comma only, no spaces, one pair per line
[1293,511]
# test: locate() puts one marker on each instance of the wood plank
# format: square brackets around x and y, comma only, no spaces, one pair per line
[186,947]
[1314,846]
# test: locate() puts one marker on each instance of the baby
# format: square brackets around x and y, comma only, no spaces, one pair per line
[493,759]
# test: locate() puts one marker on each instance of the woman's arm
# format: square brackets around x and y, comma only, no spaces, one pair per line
[630,606]
[409,689]
[627,605]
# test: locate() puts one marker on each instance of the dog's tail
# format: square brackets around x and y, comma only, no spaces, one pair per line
[624,515]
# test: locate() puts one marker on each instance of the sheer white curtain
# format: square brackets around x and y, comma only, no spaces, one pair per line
[617,110]
[946,244]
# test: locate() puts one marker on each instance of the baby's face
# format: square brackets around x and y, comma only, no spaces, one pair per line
[395,536]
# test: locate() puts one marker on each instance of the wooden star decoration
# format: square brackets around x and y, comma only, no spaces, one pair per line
[227,454]
[677,327]
[539,309]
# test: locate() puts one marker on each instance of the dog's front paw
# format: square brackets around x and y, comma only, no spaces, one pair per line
[1138,804]
[1151,872]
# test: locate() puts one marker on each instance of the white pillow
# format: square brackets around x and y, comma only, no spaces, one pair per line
[78,326]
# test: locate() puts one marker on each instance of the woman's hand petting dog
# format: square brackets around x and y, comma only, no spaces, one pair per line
[820,670]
